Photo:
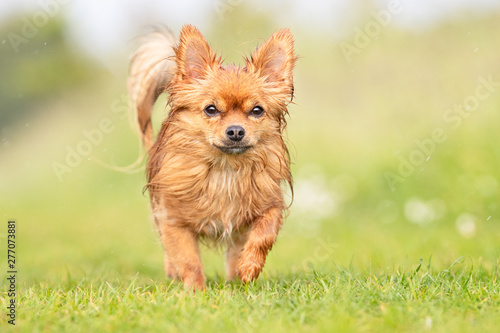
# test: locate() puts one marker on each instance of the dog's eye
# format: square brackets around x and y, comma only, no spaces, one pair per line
[211,111]
[257,111]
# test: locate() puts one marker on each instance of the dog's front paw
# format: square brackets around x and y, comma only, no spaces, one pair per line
[251,265]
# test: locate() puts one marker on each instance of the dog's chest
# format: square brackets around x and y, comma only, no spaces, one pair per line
[217,200]
[226,202]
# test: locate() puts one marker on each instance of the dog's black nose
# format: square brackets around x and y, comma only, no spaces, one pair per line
[235,133]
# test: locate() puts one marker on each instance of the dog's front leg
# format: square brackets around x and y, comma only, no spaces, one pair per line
[261,237]
[182,255]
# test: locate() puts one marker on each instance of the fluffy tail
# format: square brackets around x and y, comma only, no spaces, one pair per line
[150,72]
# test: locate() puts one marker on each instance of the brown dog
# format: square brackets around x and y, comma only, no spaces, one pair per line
[219,161]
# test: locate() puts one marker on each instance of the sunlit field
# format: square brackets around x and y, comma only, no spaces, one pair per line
[394,223]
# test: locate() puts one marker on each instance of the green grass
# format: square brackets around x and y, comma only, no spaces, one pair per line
[457,299]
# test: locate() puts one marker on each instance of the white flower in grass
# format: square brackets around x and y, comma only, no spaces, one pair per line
[314,198]
[422,212]
[466,225]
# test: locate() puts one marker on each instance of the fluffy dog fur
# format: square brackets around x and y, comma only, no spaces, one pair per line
[216,169]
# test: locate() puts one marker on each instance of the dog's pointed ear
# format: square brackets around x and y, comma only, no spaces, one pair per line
[275,59]
[194,57]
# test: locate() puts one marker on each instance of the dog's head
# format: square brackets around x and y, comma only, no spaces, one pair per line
[232,109]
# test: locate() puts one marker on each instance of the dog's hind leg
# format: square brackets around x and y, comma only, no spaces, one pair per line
[233,253]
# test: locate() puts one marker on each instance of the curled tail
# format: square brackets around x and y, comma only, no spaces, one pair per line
[150,72]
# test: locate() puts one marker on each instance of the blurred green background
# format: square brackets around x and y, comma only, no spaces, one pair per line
[374,187]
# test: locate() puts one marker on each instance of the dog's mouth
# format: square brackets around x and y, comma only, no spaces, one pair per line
[232,150]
